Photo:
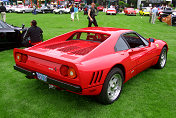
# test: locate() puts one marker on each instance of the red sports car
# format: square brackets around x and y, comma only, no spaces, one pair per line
[91,61]
[100,8]
[129,11]
[111,11]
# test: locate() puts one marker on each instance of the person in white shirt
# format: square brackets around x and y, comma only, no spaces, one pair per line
[154,13]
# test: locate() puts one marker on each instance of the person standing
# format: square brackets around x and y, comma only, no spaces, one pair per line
[150,15]
[3,12]
[91,16]
[154,13]
[117,8]
[72,12]
[76,12]
[34,9]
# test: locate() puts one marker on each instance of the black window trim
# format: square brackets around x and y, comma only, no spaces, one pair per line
[134,33]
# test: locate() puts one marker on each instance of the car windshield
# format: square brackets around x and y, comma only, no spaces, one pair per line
[130,8]
[145,10]
[111,9]
[96,37]
[43,7]
[168,8]
[3,25]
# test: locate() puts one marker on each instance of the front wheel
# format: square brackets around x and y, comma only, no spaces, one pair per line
[112,86]
[162,59]
[43,11]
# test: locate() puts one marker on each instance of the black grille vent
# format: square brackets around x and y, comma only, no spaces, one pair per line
[96,77]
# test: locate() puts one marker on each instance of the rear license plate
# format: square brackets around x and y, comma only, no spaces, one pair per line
[41,77]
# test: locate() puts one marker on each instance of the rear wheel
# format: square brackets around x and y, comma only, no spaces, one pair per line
[112,86]
[23,12]
[161,19]
[43,11]
[162,59]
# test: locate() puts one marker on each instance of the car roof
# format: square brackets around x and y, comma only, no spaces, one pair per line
[104,30]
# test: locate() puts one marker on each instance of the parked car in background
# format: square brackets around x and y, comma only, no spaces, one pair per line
[166,12]
[145,11]
[44,9]
[61,11]
[170,19]
[10,8]
[111,11]
[11,36]
[100,8]
[174,18]
[92,61]
[129,11]
[24,9]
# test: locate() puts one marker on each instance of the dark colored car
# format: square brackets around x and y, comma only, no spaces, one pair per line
[166,12]
[174,19]
[10,36]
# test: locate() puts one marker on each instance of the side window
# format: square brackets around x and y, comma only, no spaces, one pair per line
[121,45]
[133,40]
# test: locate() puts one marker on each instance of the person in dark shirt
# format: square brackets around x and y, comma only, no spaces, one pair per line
[34,33]
[3,12]
[91,16]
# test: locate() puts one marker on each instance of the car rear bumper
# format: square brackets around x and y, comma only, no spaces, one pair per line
[52,81]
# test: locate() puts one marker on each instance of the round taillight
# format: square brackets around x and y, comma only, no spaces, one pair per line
[18,57]
[64,70]
[24,58]
[71,73]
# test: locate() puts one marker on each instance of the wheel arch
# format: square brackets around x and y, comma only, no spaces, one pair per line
[166,46]
[122,67]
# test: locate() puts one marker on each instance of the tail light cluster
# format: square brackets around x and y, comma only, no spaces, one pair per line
[21,57]
[68,71]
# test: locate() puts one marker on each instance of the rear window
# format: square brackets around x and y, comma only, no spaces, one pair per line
[96,37]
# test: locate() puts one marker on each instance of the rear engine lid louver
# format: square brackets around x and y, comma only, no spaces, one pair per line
[59,45]
[84,50]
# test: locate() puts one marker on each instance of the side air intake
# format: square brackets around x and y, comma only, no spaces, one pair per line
[96,77]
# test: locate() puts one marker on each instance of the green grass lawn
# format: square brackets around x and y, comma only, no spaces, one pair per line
[150,94]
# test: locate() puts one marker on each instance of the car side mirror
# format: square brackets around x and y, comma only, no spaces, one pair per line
[151,40]
[23,26]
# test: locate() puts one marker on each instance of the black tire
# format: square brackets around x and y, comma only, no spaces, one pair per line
[161,19]
[60,12]
[104,96]
[10,11]
[23,12]
[161,63]
[43,11]
[174,21]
